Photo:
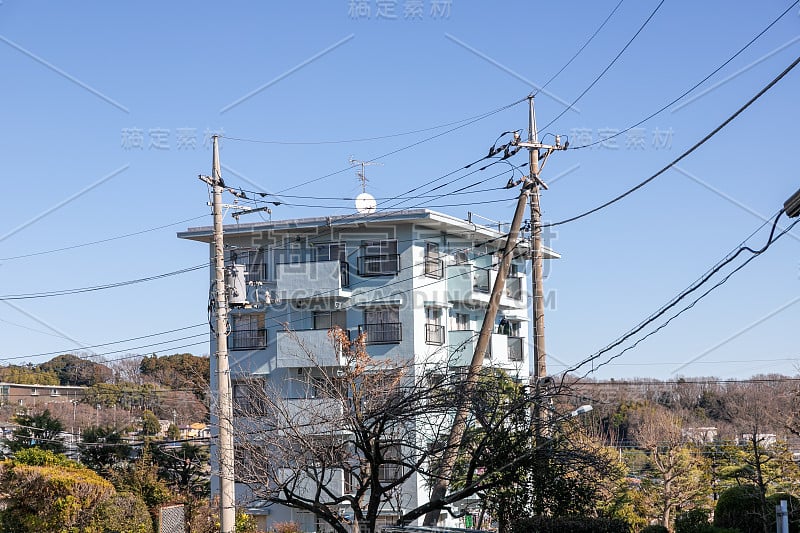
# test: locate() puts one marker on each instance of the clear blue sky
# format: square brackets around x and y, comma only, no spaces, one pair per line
[81,79]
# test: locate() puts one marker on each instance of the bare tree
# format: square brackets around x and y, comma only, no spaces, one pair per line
[361,437]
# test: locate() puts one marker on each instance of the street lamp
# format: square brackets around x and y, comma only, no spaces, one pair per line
[583,409]
[792,206]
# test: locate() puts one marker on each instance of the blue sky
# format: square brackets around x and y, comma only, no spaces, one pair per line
[82,81]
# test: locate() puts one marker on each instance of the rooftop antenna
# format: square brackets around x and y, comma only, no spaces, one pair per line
[365,202]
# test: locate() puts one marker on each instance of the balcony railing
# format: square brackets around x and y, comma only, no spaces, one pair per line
[379,265]
[384,333]
[434,268]
[247,339]
[481,280]
[515,348]
[434,334]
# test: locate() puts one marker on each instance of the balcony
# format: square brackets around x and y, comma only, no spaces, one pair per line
[382,333]
[247,339]
[502,349]
[472,285]
[307,348]
[462,347]
[313,280]
[434,334]
[315,415]
[378,265]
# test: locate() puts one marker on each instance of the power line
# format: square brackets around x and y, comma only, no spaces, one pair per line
[124,350]
[70,350]
[603,72]
[397,150]
[374,138]
[109,239]
[675,161]
[80,290]
[696,85]
[683,294]
[568,63]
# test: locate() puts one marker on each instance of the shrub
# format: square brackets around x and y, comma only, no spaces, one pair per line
[573,524]
[693,521]
[655,528]
[123,513]
[65,498]
[740,508]
[40,457]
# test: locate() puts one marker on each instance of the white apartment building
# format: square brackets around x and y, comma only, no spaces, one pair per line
[417,282]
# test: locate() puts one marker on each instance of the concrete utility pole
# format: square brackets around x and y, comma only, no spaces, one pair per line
[537,252]
[439,490]
[460,421]
[537,259]
[227,499]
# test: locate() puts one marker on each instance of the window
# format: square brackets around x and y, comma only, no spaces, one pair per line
[253,261]
[434,266]
[434,330]
[328,319]
[382,325]
[391,469]
[460,257]
[379,258]
[248,332]
[331,251]
[461,322]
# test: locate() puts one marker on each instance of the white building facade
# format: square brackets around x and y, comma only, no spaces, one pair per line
[417,282]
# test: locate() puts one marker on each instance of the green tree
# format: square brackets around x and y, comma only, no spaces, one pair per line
[179,371]
[150,424]
[184,468]
[74,370]
[173,432]
[102,448]
[41,430]
[27,375]
[141,478]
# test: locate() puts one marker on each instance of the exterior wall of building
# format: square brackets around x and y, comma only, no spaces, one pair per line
[427,307]
[37,396]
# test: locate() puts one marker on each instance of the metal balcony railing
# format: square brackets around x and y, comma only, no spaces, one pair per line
[515,348]
[247,339]
[379,265]
[434,268]
[382,333]
[434,334]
